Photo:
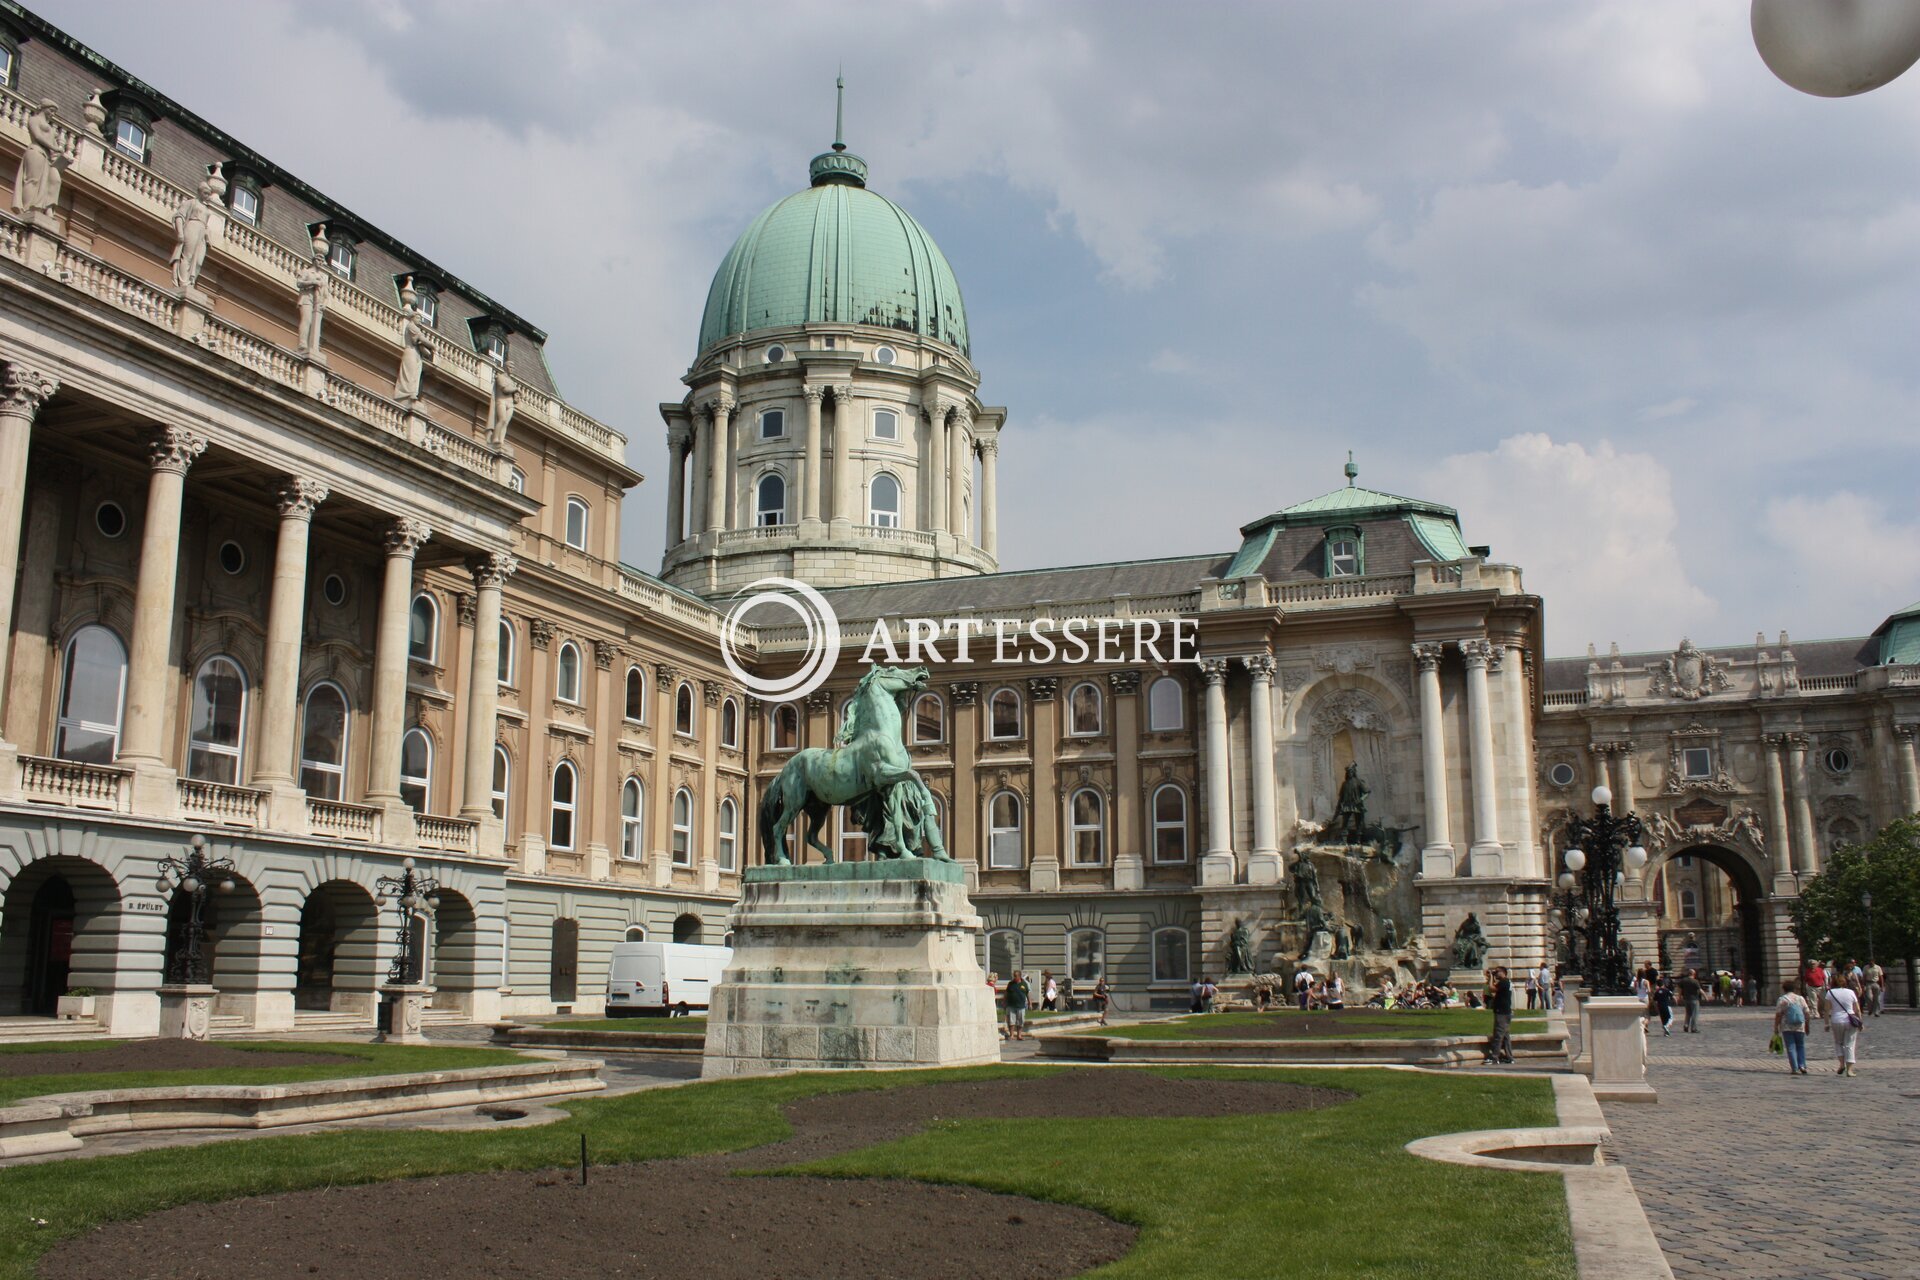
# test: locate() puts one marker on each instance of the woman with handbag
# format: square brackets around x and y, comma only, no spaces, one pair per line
[1842,1006]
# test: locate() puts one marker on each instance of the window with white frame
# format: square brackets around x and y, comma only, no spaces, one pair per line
[517,480]
[929,719]
[1006,832]
[1004,953]
[416,769]
[1170,952]
[773,424]
[130,138]
[770,501]
[1003,714]
[1084,710]
[1345,555]
[1086,955]
[9,62]
[577,523]
[683,828]
[683,713]
[633,803]
[244,200]
[727,839]
[426,301]
[341,256]
[1087,827]
[730,725]
[323,742]
[1169,823]
[784,727]
[503,668]
[886,424]
[566,799]
[636,933]
[1696,762]
[566,673]
[219,721]
[93,697]
[423,629]
[1166,705]
[636,699]
[502,781]
[883,502]
[1689,905]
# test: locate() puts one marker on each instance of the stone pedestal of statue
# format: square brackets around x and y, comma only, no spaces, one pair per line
[401,1005]
[852,965]
[1618,1052]
[186,1010]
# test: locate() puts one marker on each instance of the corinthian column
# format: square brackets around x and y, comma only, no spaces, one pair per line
[170,452]
[1903,735]
[1780,839]
[989,496]
[22,392]
[1217,865]
[286,603]
[490,573]
[1803,838]
[677,495]
[847,504]
[1477,654]
[1263,865]
[697,488]
[810,477]
[404,538]
[721,409]
[1436,858]
[959,465]
[936,478]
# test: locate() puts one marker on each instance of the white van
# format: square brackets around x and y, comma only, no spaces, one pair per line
[653,978]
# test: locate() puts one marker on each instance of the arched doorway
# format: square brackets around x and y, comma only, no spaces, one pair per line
[1709,912]
[339,939]
[686,928]
[454,959]
[59,928]
[233,920]
[563,982]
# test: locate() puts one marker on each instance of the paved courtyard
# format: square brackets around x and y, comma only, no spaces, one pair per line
[1747,1171]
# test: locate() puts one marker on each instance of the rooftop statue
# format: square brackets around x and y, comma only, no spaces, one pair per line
[36,188]
[416,349]
[500,411]
[311,280]
[190,237]
[868,770]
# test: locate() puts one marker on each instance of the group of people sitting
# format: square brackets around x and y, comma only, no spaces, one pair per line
[1418,995]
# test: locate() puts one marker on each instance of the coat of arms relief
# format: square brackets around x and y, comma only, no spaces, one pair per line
[1688,674]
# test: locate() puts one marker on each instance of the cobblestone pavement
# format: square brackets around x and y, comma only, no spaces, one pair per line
[1749,1172]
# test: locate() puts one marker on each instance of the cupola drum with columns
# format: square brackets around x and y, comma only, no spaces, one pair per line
[832,431]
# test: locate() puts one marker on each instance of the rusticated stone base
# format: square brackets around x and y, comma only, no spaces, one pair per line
[864,965]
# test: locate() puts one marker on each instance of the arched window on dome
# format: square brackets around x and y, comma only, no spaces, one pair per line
[770,500]
[883,502]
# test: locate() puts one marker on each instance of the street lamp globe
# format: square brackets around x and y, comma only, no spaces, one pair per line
[1576,860]
[1566,880]
[1602,795]
[1836,48]
[1866,900]
[1636,857]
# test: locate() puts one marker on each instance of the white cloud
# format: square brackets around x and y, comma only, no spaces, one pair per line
[1843,555]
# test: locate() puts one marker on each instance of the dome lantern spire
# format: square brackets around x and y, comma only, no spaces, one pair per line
[839,113]
[839,164]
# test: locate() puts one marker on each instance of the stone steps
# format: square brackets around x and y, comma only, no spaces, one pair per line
[28,1030]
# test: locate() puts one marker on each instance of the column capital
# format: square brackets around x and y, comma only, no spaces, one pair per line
[712,691]
[492,568]
[820,701]
[989,446]
[406,535]
[297,497]
[1259,666]
[1774,741]
[814,392]
[1796,742]
[540,633]
[1906,732]
[1214,669]
[1042,688]
[936,411]
[717,406]
[24,390]
[666,673]
[1123,683]
[1619,747]
[842,394]
[604,652]
[964,692]
[680,436]
[1427,653]
[174,449]
[1477,652]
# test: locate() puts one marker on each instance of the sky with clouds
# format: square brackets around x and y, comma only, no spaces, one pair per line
[1586,272]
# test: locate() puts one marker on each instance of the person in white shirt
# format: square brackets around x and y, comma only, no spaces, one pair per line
[1841,1004]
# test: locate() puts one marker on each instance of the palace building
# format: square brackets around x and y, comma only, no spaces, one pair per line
[309,557]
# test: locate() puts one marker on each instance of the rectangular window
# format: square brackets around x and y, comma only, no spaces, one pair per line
[340,258]
[130,139]
[1696,762]
[1343,558]
[773,424]
[9,60]
[246,204]
[886,425]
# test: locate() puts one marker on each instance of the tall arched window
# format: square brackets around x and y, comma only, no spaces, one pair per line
[1166,705]
[683,711]
[1003,714]
[566,792]
[1086,955]
[1006,832]
[92,695]
[929,718]
[770,500]
[219,721]
[1170,950]
[323,742]
[502,781]
[636,702]
[1004,952]
[730,725]
[566,678]
[683,828]
[1689,905]
[423,629]
[785,726]
[1087,827]
[416,768]
[633,803]
[726,839]
[1169,824]
[504,672]
[577,523]
[1084,710]
[883,502]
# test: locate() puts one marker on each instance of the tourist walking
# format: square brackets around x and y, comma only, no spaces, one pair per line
[1547,988]
[1875,991]
[1049,990]
[1533,988]
[1102,997]
[1500,1000]
[1842,1007]
[1790,1018]
[1661,1006]
[1018,994]
[1336,993]
[1690,994]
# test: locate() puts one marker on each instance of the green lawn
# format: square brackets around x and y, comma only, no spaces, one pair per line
[1325,1193]
[1367,1024]
[368,1060]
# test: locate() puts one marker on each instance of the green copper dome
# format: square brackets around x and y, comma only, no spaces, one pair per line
[835,253]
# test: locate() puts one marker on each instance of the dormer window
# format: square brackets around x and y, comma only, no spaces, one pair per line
[493,345]
[427,302]
[341,256]
[243,195]
[9,60]
[131,135]
[1343,557]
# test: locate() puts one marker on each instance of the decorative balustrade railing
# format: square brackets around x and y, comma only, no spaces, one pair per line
[453,835]
[228,805]
[347,821]
[85,786]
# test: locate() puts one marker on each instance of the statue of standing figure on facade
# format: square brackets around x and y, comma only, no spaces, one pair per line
[1470,945]
[416,349]
[1350,817]
[1240,948]
[311,280]
[1306,884]
[506,393]
[190,220]
[36,188]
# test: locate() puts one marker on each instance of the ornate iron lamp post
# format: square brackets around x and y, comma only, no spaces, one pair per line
[1600,852]
[197,874]
[416,894]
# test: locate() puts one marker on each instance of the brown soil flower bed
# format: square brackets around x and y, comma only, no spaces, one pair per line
[688,1219]
[156,1055]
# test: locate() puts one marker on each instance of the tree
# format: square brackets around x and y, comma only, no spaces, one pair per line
[1830,920]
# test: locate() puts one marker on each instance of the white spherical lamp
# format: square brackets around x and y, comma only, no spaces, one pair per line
[1602,796]
[1576,860]
[1837,48]
[1566,880]
[1636,857]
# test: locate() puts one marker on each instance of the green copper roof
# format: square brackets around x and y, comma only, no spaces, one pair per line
[1899,637]
[835,253]
[1353,502]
